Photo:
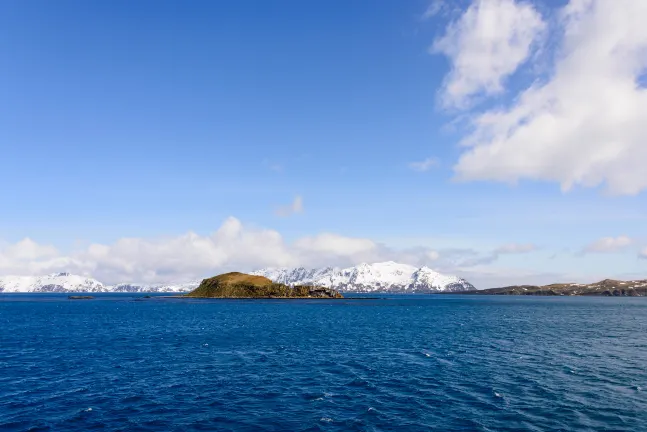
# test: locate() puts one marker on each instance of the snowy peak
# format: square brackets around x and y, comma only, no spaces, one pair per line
[67,282]
[378,277]
[55,282]
[168,287]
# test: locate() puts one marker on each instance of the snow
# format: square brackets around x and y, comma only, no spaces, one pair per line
[378,277]
[168,287]
[67,282]
[55,282]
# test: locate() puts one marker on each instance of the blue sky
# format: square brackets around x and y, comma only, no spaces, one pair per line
[149,120]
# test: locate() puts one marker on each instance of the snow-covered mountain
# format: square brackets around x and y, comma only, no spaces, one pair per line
[66,282]
[169,287]
[56,282]
[379,277]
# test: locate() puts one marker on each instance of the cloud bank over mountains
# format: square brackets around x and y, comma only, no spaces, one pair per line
[581,123]
[233,246]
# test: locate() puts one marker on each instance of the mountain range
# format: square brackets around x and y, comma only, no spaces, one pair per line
[67,282]
[378,277]
[387,277]
[607,287]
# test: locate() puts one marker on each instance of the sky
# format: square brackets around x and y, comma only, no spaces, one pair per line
[503,141]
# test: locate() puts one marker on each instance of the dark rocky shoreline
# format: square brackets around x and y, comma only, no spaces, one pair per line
[605,288]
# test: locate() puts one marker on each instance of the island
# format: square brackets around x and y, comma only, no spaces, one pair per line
[241,285]
[607,287]
[79,297]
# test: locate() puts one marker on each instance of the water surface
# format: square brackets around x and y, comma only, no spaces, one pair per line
[447,363]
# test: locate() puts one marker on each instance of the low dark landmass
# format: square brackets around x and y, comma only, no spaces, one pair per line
[241,285]
[607,287]
[80,297]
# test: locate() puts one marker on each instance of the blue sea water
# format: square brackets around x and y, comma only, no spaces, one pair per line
[447,363]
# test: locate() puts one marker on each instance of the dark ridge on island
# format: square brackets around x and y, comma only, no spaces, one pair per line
[607,287]
[241,285]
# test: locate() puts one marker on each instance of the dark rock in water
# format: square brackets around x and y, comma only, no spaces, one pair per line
[80,297]
[241,285]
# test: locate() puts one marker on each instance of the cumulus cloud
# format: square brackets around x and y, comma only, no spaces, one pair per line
[585,124]
[486,45]
[27,249]
[295,207]
[424,165]
[432,255]
[233,246]
[608,244]
[29,257]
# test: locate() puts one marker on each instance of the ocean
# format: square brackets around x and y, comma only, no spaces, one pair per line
[405,363]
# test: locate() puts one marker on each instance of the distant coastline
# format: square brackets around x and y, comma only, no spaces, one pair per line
[605,288]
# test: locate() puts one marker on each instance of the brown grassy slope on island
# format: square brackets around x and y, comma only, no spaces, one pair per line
[241,285]
[607,287]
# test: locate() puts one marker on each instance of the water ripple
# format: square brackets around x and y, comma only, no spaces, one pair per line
[404,363]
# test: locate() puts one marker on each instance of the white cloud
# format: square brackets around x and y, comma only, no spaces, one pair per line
[432,255]
[608,244]
[587,124]
[486,45]
[27,249]
[423,165]
[238,247]
[233,246]
[29,257]
[643,254]
[289,210]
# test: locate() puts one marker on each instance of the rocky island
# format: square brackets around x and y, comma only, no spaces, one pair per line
[607,287]
[241,285]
